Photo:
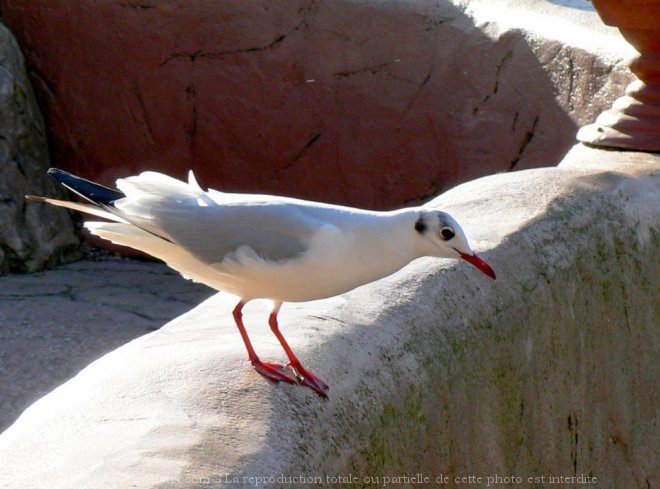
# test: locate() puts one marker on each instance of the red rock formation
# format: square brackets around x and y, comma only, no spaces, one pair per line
[373,104]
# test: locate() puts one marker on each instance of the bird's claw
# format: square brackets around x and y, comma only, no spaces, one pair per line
[276,372]
[272,371]
[309,379]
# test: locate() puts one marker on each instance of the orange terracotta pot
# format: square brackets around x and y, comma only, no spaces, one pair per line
[633,122]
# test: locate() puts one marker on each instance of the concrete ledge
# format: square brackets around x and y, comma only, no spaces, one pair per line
[550,371]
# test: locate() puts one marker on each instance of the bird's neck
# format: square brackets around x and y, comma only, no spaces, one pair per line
[384,245]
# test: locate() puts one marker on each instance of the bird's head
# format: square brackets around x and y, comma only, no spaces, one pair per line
[438,234]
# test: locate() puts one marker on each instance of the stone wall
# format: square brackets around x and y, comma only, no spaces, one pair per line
[551,371]
[31,236]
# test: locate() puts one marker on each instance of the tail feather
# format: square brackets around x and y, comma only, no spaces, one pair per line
[76,206]
[108,203]
[126,234]
[95,193]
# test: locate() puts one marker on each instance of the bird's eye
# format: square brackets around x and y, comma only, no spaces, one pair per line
[447,233]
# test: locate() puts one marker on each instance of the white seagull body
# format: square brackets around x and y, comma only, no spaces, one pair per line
[262,246]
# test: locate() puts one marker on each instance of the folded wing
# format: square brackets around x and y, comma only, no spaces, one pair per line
[184,214]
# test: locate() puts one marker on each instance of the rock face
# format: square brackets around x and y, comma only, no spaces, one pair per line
[31,236]
[551,371]
[367,103]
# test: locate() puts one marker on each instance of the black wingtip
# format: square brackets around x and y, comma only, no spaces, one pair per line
[56,173]
[91,191]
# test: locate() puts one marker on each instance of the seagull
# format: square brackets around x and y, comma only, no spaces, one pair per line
[263,246]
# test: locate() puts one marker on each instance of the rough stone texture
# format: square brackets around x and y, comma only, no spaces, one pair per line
[31,237]
[368,103]
[581,56]
[54,323]
[550,371]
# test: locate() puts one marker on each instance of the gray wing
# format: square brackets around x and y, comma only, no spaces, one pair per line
[275,231]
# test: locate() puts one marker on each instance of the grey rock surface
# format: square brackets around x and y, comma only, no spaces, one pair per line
[54,323]
[31,236]
[549,372]
[583,59]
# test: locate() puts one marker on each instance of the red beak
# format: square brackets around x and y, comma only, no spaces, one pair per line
[479,263]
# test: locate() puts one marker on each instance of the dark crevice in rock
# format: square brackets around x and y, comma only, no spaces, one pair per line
[527,138]
[310,142]
[42,80]
[192,56]
[573,428]
[434,23]
[435,189]
[137,6]
[571,84]
[141,119]
[515,121]
[499,68]
[191,126]
[369,69]
[426,80]
[67,293]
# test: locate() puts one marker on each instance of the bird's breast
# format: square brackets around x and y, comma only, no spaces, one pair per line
[334,264]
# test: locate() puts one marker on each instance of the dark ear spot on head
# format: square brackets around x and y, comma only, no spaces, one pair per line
[420,225]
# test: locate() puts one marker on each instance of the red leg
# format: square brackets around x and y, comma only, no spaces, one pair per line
[272,371]
[305,377]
